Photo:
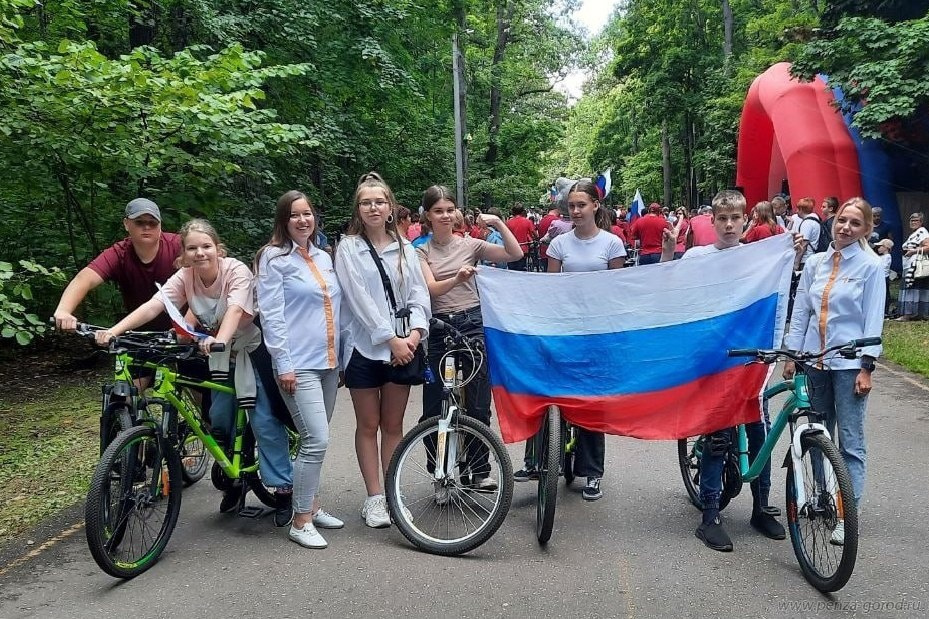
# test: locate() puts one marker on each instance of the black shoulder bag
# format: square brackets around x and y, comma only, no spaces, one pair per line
[414,372]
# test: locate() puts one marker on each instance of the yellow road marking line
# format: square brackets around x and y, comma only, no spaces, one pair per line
[47,544]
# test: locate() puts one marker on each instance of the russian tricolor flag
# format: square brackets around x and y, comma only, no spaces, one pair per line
[637,208]
[639,352]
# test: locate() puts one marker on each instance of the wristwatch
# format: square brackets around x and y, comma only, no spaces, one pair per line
[867,364]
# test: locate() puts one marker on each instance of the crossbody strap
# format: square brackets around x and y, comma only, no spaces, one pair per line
[384,279]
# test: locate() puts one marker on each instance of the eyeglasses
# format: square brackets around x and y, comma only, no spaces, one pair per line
[370,203]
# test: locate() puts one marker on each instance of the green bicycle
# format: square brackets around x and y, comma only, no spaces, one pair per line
[121,401]
[819,487]
[135,494]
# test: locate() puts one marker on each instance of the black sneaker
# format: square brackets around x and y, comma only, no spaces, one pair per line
[591,491]
[231,499]
[284,514]
[767,525]
[526,474]
[714,535]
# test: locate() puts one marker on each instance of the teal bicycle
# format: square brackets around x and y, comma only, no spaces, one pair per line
[819,487]
[135,494]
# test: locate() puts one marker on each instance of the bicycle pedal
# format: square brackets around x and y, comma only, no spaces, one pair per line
[254,511]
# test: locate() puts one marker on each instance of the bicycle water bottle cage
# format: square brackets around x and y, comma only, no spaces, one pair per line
[719,443]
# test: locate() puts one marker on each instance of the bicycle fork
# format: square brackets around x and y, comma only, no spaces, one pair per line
[796,455]
[446,450]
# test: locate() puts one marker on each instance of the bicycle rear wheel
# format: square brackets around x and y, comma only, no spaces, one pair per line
[455,513]
[195,459]
[549,450]
[689,452]
[133,503]
[829,499]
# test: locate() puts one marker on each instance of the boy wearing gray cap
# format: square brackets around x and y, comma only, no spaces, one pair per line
[135,264]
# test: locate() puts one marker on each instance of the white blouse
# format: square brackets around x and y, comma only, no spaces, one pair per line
[370,318]
[854,308]
[300,309]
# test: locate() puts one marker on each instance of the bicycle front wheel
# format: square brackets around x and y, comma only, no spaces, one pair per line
[828,500]
[688,459]
[460,508]
[549,450]
[133,503]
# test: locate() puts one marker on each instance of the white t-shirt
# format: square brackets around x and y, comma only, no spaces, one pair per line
[593,254]
[808,228]
[701,250]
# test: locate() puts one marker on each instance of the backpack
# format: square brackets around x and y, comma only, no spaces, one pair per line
[825,235]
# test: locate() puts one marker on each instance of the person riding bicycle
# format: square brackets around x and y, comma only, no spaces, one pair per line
[448,263]
[840,297]
[145,258]
[728,218]
[220,293]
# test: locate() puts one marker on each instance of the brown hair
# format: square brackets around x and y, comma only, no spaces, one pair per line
[728,200]
[436,193]
[279,236]
[204,227]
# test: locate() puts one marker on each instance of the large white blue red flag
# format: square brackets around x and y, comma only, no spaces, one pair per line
[638,352]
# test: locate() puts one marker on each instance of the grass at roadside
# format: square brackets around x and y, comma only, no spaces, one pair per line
[907,343]
[48,450]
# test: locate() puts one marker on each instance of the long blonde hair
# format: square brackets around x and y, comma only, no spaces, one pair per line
[867,213]
[373,180]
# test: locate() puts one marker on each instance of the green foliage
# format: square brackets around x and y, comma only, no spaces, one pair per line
[22,286]
[882,67]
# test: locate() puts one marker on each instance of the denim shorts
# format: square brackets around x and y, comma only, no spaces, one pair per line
[364,373]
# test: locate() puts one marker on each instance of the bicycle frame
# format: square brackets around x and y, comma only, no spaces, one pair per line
[797,404]
[449,412]
[166,387]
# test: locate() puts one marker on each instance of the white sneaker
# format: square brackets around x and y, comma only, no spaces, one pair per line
[308,536]
[838,534]
[324,520]
[374,512]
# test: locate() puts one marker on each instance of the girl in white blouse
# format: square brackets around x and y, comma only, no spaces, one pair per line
[299,299]
[382,340]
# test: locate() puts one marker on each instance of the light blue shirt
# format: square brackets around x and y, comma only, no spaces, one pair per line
[299,331]
[855,306]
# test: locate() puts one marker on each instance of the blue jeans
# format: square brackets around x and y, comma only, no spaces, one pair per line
[833,397]
[711,465]
[649,258]
[273,454]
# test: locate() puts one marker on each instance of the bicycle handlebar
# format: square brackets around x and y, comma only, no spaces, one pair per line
[162,341]
[848,350]
[436,325]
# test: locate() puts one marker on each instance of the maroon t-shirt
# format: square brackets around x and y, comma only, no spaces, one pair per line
[136,280]
[648,230]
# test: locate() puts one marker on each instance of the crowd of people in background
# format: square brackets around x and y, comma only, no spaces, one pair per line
[370,298]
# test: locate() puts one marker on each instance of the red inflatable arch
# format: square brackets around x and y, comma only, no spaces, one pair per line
[791,129]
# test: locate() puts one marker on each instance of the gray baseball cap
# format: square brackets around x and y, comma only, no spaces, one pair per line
[142,206]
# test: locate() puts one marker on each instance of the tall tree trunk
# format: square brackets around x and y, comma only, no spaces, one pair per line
[460,13]
[727,31]
[666,163]
[505,9]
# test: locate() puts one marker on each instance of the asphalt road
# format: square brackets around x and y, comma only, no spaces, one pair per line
[631,554]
